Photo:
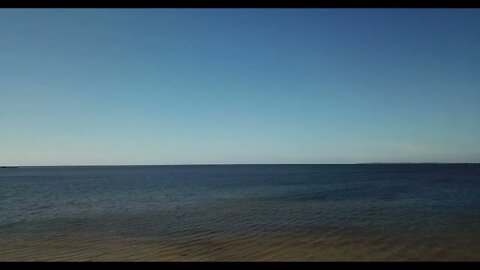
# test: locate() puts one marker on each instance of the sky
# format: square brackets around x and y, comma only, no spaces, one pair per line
[223,86]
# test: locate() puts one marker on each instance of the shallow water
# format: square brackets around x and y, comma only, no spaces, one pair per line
[241,212]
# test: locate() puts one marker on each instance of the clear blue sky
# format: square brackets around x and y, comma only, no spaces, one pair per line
[181,86]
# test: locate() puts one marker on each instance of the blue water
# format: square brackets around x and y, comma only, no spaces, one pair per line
[439,202]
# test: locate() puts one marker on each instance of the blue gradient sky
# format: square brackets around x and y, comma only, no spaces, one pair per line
[239,86]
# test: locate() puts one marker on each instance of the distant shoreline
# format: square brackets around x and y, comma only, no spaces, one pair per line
[251,164]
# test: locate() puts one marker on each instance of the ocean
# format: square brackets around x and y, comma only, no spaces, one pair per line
[361,212]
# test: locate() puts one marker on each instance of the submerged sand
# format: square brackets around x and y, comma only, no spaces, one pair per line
[275,246]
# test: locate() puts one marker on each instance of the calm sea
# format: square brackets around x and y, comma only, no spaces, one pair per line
[241,212]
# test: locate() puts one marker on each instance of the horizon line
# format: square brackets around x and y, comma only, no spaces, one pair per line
[234,164]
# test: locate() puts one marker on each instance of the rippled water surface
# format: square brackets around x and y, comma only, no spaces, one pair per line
[241,212]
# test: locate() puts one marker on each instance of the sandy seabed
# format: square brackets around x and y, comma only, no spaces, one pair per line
[275,246]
